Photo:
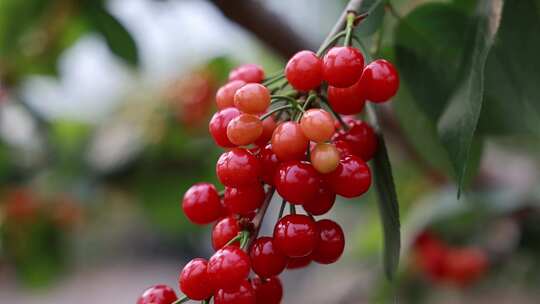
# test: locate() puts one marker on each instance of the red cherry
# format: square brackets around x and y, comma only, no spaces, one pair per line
[331,243]
[158,294]
[342,66]
[247,72]
[218,126]
[266,260]
[224,231]
[380,80]
[465,266]
[269,164]
[317,125]
[228,267]
[194,281]
[304,71]
[243,200]
[238,167]
[431,256]
[268,291]
[297,263]
[361,139]
[253,98]
[244,129]
[322,203]
[201,204]
[352,177]
[225,94]
[269,125]
[296,235]
[297,182]
[343,148]
[347,101]
[242,294]
[289,142]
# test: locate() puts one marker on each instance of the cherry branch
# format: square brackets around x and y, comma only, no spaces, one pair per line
[259,217]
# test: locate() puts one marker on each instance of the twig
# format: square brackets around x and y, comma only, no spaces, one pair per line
[258,219]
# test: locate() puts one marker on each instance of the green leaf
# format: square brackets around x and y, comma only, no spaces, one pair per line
[375,9]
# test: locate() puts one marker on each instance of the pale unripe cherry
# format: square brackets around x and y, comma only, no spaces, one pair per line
[225,94]
[317,125]
[325,158]
[244,129]
[253,98]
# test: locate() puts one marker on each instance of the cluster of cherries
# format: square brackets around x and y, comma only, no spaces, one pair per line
[441,263]
[283,133]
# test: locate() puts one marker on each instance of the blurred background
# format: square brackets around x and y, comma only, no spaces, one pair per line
[104,107]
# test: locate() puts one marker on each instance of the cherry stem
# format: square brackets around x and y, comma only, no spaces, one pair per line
[258,219]
[351,16]
[244,239]
[330,43]
[282,209]
[237,238]
[273,79]
[271,112]
[336,115]
[183,299]
[292,208]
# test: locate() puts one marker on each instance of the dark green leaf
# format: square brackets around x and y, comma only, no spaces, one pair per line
[375,9]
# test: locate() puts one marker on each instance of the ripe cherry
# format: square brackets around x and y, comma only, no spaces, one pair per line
[317,125]
[342,66]
[266,260]
[269,164]
[297,182]
[297,263]
[218,126]
[241,294]
[243,200]
[289,142]
[325,158]
[201,204]
[225,94]
[347,101]
[249,73]
[269,125]
[224,231]
[322,203]
[464,266]
[252,98]
[343,148]
[158,294]
[296,235]
[194,281]
[352,177]
[244,129]
[304,71]
[431,256]
[267,291]
[238,167]
[380,81]
[228,268]
[331,243]
[361,139]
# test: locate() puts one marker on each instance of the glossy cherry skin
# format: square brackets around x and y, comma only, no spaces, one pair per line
[158,294]
[224,231]
[194,281]
[297,182]
[324,158]
[244,129]
[269,164]
[252,98]
[322,203]
[201,204]
[343,148]
[250,73]
[380,80]
[243,200]
[267,291]
[218,126]
[304,71]
[269,125]
[343,66]
[225,94]
[228,268]
[465,266]
[352,177]
[266,260]
[361,139]
[238,167]
[289,142]
[241,294]
[331,242]
[296,235]
[317,125]
[347,101]
[297,263]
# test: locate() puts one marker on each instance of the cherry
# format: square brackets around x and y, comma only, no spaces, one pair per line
[228,268]
[331,243]
[296,235]
[342,66]
[361,139]
[322,203]
[244,129]
[348,101]
[224,231]
[243,200]
[431,256]
[269,125]
[241,294]
[304,71]
[253,98]
[352,177]
[343,148]
[266,260]
[249,73]
[218,126]
[325,158]
[238,167]
[269,164]
[317,125]
[380,80]
[194,281]
[289,142]
[297,182]
[297,263]
[465,265]
[158,294]
[225,94]
[267,291]
[201,204]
